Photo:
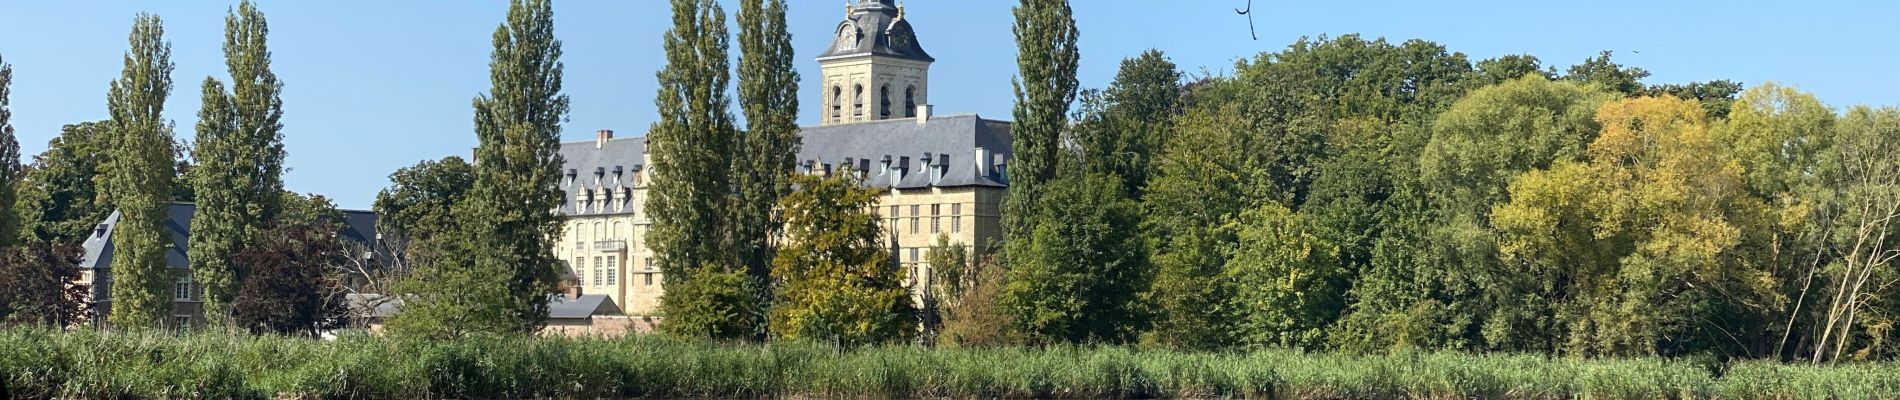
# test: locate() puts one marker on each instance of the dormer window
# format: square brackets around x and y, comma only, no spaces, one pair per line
[570,178]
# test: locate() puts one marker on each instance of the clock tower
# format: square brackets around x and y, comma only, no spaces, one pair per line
[874,70]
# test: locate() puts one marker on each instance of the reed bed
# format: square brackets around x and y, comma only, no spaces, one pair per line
[88,364]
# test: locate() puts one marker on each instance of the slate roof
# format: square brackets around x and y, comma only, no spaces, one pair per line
[907,143]
[587,163]
[875,27]
[864,144]
[359,226]
[559,306]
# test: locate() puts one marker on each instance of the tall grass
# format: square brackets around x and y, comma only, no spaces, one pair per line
[86,364]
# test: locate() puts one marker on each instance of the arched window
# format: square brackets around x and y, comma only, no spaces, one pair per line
[884,102]
[857,103]
[837,103]
[910,102]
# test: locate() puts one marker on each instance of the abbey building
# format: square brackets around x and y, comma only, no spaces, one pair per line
[940,175]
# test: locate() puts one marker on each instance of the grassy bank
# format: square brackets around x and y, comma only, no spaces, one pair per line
[41,364]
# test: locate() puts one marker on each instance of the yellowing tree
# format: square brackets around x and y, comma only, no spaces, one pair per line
[836,281]
[1632,248]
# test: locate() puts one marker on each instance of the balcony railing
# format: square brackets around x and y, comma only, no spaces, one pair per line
[610,245]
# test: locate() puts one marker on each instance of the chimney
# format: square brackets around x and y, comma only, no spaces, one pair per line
[982,167]
[923,113]
[601,138]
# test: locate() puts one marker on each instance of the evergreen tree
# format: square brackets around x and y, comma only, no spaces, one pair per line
[709,291]
[238,177]
[140,178]
[836,281]
[768,94]
[59,197]
[505,268]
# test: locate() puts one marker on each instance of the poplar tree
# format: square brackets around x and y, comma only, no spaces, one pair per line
[767,152]
[139,178]
[503,268]
[238,178]
[709,292]
[1043,295]
[10,170]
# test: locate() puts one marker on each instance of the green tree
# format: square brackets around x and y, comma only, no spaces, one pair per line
[59,197]
[1081,267]
[507,269]
[11,173]
[1046,59]
[1289,284]
[1855,314]
[766,153]
[690,200]
[1510,67]
[238,174]
[835,280]
[1206,174]
[417,210]
[1609,75]
[140,178]
[1121,129]
[949,278]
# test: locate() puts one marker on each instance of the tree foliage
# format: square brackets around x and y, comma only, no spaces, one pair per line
[140,173]
[11,172]
[766,152]
[507,221]
[39,286]
[60,200]
[237,176]
[835,280]
[417,210]
[287,288]
[1081,266]
[709,290]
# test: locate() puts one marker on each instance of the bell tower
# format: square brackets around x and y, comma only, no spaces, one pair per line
[874,69]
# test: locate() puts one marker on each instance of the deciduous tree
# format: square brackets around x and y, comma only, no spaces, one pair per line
[835,280]
[140,178]
[238,174]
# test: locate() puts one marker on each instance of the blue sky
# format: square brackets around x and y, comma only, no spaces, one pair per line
[373,86]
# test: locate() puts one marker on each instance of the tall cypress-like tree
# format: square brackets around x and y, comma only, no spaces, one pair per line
[10,170]
[709,292]
[238,178]
[768,94]
[503,266]
[1047,59]
[140,177]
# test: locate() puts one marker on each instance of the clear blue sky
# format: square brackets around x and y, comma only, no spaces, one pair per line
[373,86]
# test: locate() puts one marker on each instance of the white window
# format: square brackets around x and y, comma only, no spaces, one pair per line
[181,291]
[649,278]
[613,270]
[598,263]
